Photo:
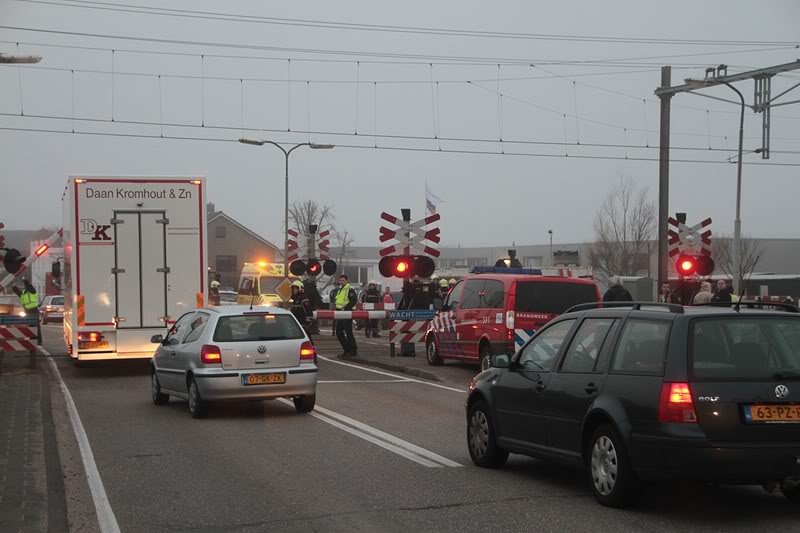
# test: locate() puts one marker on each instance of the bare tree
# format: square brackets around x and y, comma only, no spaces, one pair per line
[725,262]
[624,227]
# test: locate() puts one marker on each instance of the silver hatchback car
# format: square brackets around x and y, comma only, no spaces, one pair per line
[234,353]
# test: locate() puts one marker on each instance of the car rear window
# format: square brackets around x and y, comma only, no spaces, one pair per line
[552,297]
[745,348]
[57,300]
[257,327]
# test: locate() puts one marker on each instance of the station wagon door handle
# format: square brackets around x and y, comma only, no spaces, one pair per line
[539,386]
[591,388]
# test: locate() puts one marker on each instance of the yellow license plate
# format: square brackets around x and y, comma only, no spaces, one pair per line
[263,379]
[766,414]
[90,345]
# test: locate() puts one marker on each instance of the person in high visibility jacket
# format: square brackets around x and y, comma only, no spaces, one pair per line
[28,297]
[345,300]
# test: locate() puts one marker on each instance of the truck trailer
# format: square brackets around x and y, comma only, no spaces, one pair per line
[134,261]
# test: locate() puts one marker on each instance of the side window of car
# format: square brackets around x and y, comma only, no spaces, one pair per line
[179,329]
[642,347]
[493,294]
[196,327]
[471,298]
[586,345]
[541,352]
[454,296]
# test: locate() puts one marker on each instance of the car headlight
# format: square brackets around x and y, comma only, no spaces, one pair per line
[22,313]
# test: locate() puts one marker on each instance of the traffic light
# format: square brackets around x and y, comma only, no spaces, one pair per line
[406,266]
[687,265]
[312,267]
[13,260]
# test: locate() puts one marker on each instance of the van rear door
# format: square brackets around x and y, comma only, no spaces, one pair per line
[539,300]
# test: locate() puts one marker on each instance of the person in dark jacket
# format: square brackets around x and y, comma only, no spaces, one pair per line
[723,293]
[345,300]
[372,296]
[616,292]
[668,295]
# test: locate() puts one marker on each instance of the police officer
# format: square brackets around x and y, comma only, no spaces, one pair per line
[28,298]
[345,301]
[372,296]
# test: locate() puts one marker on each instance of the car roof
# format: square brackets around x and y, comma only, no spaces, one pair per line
[228,310]
[655,310]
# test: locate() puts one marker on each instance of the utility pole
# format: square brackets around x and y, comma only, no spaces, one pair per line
[763,101]
[663,177]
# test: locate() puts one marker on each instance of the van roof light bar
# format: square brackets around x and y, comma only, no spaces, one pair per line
[505,270]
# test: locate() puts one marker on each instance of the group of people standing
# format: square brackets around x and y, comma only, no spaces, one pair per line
[724,293]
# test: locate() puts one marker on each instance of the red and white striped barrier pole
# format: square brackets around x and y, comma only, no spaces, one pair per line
[18,338]
[51,240]
[326,314]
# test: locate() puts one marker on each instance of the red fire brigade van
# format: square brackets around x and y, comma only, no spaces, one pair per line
[496,310]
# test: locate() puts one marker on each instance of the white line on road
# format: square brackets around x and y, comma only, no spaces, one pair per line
[105,515]
[382,373]
[363,381]
[384,440]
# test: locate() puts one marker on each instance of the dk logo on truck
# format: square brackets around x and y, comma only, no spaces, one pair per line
[98,232]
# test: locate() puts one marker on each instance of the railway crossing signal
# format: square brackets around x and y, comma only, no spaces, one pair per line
[406,266]
[311,265]
[691,245]
[410,237]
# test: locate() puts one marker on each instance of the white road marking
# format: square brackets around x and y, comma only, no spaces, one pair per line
[391,374]
[105,515]
[363,381]
[387,437]
[419,459]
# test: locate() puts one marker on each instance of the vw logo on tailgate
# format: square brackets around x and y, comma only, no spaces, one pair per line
[781,391]
[263,349]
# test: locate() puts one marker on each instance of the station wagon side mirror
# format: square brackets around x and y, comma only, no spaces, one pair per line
[502,360]
[157,339]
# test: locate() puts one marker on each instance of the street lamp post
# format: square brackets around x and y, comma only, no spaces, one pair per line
[737,222]
[313,146]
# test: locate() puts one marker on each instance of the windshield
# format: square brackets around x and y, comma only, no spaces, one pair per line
[257,327]
[228,296]
[267,284]
[745,348]
[57,300]
[552,297]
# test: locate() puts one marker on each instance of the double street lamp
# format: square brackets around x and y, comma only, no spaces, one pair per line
[286,152]
[18,59]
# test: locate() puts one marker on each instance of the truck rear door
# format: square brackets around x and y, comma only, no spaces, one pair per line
[140,267]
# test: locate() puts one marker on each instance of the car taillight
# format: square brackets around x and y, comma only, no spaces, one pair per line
[308,353]
[210,354]
[676,404]
[48,307]
[89,336]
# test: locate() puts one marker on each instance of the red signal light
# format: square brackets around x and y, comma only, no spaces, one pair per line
[313,267]
[686,265]
[401,267]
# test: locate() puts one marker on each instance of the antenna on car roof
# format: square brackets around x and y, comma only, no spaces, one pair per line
[744,285]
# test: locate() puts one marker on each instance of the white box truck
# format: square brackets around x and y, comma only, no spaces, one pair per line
[134,261]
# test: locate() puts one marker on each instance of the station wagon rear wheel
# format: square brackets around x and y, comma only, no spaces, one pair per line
[613,480]
[791,490]
[481,437]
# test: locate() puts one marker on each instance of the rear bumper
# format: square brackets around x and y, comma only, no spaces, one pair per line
[659,458]
[216,385]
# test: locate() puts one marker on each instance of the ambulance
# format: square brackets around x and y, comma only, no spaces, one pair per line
[260,284]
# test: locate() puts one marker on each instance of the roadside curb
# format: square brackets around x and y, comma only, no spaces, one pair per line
[430,376]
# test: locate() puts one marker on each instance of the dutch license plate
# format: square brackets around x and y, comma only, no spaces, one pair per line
[772,414]
[92,345]
[263,379]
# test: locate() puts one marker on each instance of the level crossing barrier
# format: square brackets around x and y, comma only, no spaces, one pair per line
[20,334]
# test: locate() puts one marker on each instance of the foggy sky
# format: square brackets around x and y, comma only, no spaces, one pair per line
[489,199]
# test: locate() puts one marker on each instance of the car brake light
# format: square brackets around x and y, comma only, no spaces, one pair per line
[308,352]
[210,354]
[676,404]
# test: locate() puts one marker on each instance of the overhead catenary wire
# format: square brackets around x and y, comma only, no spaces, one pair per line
[128,8]
[393,148]
[380,135]
[426,58]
